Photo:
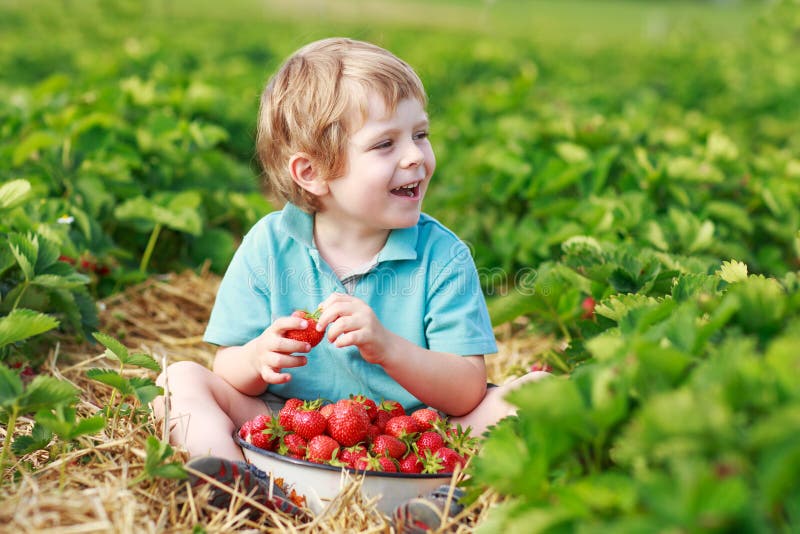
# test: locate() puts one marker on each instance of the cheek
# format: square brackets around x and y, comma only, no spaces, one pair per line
[430,162]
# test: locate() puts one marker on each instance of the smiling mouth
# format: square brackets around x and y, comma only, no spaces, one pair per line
[410,190]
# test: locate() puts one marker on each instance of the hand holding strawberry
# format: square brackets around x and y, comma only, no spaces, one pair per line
[309,334]
[354,323]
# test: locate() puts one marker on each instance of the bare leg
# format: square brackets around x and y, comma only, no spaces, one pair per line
[205,410]
[493,407]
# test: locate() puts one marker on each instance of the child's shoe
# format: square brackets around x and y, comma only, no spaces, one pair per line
[423,514]
[247,478]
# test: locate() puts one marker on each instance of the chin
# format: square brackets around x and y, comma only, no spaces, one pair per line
[406,221]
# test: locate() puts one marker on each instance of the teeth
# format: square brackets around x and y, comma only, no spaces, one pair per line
[408,190]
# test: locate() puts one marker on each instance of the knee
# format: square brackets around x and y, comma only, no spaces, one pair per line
[532,376]
[183,372]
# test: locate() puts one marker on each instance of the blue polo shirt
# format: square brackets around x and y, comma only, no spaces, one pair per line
[423,286]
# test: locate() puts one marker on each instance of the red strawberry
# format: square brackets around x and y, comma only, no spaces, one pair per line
[294,445]
[293,402]
[450,459]
[244,431]
[373,431]
[326,410]
[461,440]
[378,463]
[393,407]
[259,422]
[351,455]
[381,418]
[429,441]
[425,418]
[348,423]
[541,366]
[267,438]
[286,414]
[363,463]
[252,429]
[587,306]
[309,334]
[387,465]
[385,445]
[308,421]
[263,441]
[411,464]
[369,405]
[402,427]
[322,449]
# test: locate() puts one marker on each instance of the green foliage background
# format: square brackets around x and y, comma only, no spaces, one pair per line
[620,152]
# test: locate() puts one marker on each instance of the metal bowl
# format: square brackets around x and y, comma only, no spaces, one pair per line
[320,484]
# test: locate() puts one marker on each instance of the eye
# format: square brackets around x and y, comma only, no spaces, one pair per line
[421,135]
[382,145]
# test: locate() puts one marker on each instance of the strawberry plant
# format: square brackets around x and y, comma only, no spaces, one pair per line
[63,422]
[54,405]
[38,291]
[671,419]
[16,399]
[156,463]
[143,389]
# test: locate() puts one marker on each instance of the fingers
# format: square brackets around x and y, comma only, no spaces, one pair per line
[341,326]
[274,339]
[271,368]
[333,307]
[284,361]
[272,376]
[282,324]
[284,345]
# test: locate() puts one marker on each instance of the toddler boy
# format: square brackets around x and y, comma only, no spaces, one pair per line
[343,140]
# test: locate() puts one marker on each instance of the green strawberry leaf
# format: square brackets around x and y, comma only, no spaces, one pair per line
[89,425]
[113,379]
[47,255]
[39,439]
[145,389]
[174,471]
[157,453]
[46,391]
[63,421]
[116,350]
[13,193]
[10,387]
[140,359]
[23,323]
[733,271]
[60,282]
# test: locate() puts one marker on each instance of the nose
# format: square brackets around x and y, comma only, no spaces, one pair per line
[413,156]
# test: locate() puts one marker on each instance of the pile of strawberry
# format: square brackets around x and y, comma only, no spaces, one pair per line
[359,433]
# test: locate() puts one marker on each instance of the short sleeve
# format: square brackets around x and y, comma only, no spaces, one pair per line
[241,310]
[457,320]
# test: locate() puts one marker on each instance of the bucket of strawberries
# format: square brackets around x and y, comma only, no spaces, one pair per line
[317,447]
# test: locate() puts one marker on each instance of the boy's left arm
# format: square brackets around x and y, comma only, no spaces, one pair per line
[448,382]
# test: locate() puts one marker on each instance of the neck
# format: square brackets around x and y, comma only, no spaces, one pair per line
[345,247]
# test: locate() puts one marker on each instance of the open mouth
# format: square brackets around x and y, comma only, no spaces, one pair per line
[410,190]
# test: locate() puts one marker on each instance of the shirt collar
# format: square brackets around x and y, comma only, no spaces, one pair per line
[401,245]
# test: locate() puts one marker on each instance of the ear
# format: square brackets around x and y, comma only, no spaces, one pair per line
[304,173]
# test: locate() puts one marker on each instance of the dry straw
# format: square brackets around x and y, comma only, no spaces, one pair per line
[89,488]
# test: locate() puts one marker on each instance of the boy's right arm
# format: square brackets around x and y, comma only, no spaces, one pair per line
[252,367]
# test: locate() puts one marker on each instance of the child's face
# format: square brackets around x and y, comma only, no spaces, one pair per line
[389,165]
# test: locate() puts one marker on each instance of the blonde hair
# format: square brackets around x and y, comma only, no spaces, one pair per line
[308,107]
